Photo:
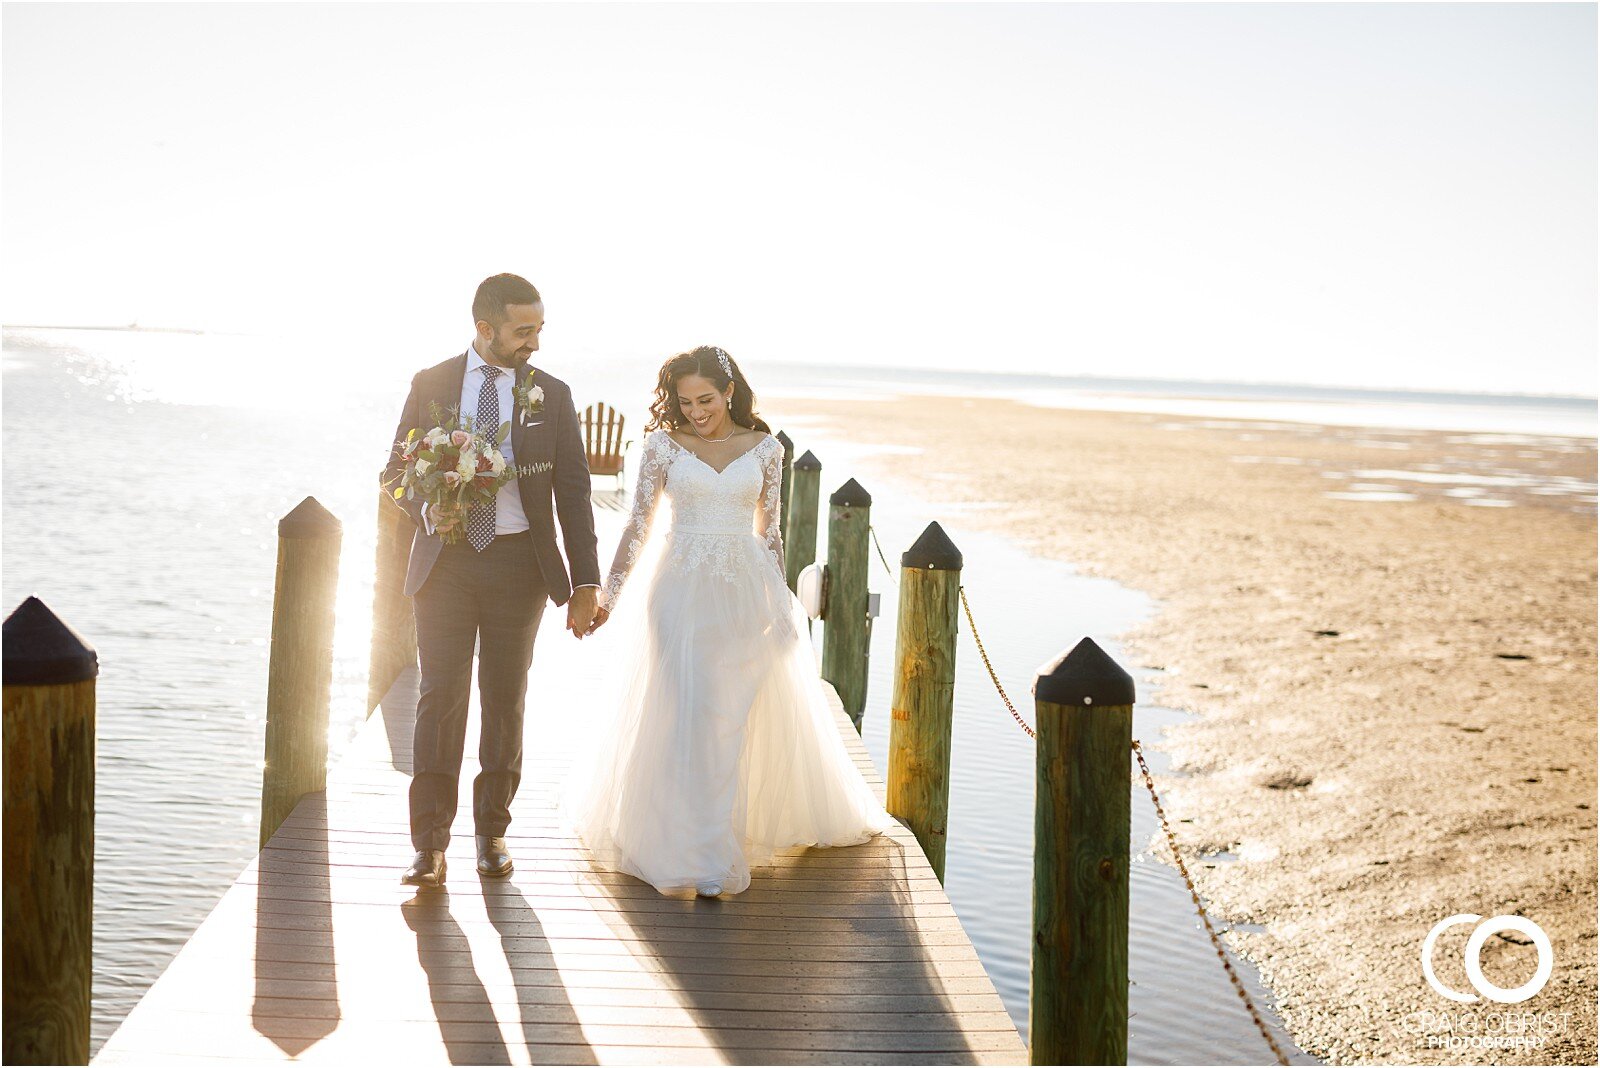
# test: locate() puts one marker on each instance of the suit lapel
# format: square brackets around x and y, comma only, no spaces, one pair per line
[519,433]
[445,390]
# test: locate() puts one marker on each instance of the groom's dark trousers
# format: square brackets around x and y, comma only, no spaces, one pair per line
[493,598]
[497,598]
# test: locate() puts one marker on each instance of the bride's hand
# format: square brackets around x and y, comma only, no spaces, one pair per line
[600,616]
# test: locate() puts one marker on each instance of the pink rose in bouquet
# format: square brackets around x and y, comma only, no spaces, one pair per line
[452,466]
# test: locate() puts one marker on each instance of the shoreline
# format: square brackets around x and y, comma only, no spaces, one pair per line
[1537,415]
[1393,694]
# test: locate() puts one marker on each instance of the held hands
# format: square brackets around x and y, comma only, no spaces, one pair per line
[584,614]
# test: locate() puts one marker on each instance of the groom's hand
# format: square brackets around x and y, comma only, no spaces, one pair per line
[582,609]
[444,517]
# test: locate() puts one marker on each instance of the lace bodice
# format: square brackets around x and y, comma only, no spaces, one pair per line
[741,499]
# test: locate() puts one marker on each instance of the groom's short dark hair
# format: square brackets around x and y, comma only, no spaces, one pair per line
[496,291]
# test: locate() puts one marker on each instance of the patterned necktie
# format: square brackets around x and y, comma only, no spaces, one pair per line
[480,517]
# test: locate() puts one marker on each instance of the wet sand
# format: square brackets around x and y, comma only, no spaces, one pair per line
[1395,698]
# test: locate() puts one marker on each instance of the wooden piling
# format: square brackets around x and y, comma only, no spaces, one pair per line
[49,676]
[394,626]
[847,635]
[300,675]
[1078,997]
[800,530]
[788,483]
[921,711]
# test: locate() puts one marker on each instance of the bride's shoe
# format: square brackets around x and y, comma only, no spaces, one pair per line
[709,889]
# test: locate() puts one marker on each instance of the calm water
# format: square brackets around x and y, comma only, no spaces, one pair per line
[154,534]
[1028,611]
[160,549]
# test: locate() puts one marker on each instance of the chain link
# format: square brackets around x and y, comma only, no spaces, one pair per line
[1211,932]
[973,627]
[1172,840]
[882,559]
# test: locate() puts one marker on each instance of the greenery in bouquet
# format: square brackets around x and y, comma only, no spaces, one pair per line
[453,466]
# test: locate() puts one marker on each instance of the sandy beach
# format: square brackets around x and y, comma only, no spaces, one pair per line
[1395,695]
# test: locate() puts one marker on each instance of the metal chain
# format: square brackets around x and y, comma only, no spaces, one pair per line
[1172,840]
[1211,932]
[973,626]
[883,559]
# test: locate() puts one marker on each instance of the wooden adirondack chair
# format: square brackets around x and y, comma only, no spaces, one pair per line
[602,440]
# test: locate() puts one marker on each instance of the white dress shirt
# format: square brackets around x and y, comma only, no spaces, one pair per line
[509,518]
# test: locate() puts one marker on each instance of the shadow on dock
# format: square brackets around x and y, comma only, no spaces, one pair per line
[399,711]
[797,969]
[462,1005]
[296,1001]
[850,955]
[551,1030]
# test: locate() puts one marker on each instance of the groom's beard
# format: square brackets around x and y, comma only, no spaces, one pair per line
[516,358]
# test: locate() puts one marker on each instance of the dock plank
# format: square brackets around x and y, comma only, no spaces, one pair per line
[317,953]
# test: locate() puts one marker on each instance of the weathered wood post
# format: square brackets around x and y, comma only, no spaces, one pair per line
[800,530]
[394,626]
[1078,998]
[49,741]
[300,674]
[924,690]
[847,636]
[788,479]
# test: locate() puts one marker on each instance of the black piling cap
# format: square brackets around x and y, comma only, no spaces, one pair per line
[308,520]
[808,462]
[933,551]
[786,441]
[40,650]
[851,495]
[1085,676]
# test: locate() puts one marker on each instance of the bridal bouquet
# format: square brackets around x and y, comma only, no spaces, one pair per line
[453,466]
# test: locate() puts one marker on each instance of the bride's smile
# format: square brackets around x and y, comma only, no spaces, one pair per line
[706,407]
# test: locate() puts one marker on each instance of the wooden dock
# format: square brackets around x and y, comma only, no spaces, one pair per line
[318,954]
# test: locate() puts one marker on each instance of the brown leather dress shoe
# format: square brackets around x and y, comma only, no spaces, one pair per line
[427,869]
[492,856]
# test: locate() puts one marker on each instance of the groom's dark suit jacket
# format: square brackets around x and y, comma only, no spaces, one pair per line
[552,444]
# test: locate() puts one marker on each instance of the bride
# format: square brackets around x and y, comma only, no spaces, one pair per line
[722,748]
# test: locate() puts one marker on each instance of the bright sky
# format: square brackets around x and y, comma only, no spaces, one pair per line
[1362,194]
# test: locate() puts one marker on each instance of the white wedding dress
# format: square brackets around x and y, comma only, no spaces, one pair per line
[720,747]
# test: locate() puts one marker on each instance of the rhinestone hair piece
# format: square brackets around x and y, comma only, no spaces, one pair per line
[727,366]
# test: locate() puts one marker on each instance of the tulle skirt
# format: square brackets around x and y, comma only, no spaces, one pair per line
[717,745]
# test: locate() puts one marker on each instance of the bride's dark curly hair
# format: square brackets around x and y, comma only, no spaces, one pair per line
[703,361]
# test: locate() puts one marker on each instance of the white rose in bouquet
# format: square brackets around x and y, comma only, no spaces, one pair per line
[449,474]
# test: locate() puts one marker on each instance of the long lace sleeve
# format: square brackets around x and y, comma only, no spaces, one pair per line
[769,516]
[653,462]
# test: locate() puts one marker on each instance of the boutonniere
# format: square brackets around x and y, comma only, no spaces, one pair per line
[530,398]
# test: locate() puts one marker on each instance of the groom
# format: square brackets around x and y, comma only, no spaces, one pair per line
[489,587]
